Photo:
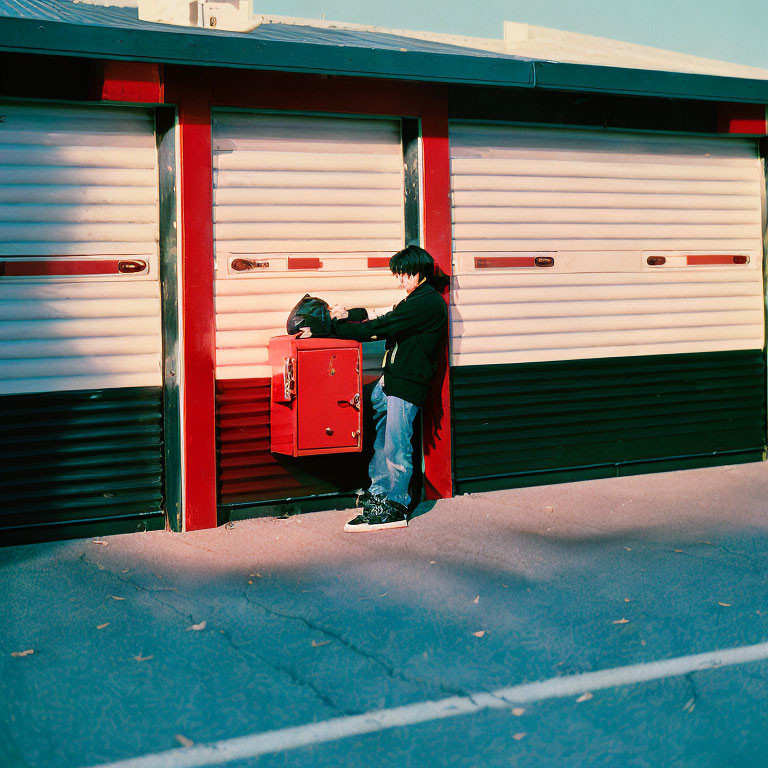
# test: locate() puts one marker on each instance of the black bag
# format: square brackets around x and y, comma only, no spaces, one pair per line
[310,312]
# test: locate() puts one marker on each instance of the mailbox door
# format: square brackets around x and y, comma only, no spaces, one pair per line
[328,394]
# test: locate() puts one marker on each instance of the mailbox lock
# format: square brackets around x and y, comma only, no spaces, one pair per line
[328,431]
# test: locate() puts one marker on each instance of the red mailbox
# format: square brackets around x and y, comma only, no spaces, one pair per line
[315,406]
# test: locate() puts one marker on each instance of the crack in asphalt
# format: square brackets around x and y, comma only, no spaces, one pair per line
[140,587]
[289,673]
[694,700]
[391,671]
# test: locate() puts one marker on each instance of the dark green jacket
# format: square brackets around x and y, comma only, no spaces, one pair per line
[413,331]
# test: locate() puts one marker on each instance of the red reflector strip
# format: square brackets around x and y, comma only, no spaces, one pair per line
[72,268]
[304,263]
[378,262]
[712,258]
[497,262]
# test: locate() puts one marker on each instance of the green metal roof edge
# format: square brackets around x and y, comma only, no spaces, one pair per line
[241,51]
[557,76]
[206,49]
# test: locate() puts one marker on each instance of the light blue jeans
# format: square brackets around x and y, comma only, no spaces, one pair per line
[391,467]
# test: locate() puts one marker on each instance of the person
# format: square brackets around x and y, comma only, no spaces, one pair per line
[413,330]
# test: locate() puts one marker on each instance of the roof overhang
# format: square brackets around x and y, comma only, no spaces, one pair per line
[464,66]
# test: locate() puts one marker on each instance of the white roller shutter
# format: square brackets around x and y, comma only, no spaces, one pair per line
[317,204]
[78,185]
[599,203]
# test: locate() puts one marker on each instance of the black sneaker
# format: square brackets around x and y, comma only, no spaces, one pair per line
[386,514]
[365,501]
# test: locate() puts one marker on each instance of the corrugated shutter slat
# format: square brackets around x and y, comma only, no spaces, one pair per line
[597,202]
[79,181]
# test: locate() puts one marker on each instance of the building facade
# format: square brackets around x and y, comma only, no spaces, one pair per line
[168,195]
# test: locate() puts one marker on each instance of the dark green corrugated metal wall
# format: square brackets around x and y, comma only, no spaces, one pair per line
[69,458]
[532,423]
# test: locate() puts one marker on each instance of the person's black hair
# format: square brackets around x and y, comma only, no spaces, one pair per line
[411,261]
[414,260]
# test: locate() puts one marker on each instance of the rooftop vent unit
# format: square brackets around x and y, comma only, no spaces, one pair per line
[228,15]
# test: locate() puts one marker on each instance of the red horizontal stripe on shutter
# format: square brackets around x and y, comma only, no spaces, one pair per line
[304,263]
[71,267]
[711,258]
[378,262]
[496,262]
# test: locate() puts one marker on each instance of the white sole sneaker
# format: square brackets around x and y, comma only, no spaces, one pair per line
[367,527]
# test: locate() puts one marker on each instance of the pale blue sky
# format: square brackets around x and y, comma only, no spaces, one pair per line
[734,30]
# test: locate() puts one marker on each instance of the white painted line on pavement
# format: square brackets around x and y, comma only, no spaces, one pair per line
[257,744]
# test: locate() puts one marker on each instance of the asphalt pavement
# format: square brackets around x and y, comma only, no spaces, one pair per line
[487,633]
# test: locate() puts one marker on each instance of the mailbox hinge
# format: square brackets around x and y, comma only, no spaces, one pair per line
[289,378]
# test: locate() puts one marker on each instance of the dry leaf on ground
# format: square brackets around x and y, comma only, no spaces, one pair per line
[629,549]
[689,705]
[626,599]
[142,658]
[479,634]
[725,605]
[100,541]
[476,600]
[316,644]
[622,621]
[101,626]
[197,627]
[518,736]
[518,711]
[432,562]
[677,550]
[22,653]
[584,697]
[184,741]
[115,597]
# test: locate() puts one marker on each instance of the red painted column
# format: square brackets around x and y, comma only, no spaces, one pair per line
[190,90]
[134,81]
[437,240]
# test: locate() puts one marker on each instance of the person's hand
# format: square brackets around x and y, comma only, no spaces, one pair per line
[304,332]
[338,312]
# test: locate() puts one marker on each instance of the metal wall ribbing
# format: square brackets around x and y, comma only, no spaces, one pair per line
[297,186]
[81,344]
[599,203]
[78,183]
[638,340]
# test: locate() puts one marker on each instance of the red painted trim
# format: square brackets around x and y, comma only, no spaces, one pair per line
[378,262]
[436,177]
[749,119]
[497,262]
[314,93]
[308,262]
[72,267]
[190,91]
[710,258]
[132,81]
